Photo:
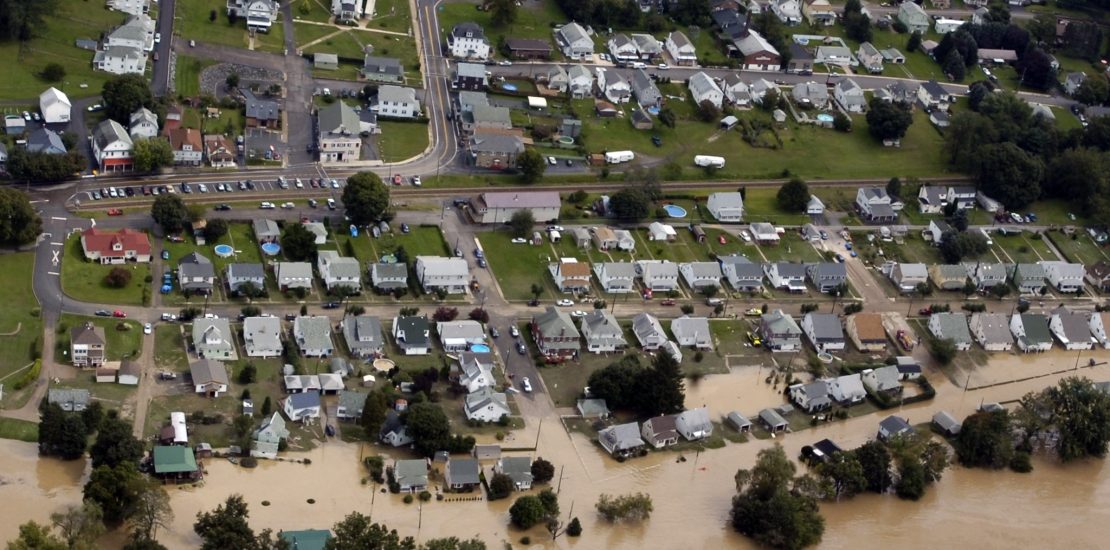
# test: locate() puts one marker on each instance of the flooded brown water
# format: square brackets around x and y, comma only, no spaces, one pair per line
[1057,506]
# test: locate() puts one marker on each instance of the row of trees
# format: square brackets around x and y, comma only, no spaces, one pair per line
[647,390]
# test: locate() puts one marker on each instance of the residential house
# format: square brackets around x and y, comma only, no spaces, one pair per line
[518,468]
[615,277]
[175,464]
[120,60]
[70,400]
[338,136]
[241,274]
[948,277]
[946,424]
[112,147]
[1098,275]
[396,102]
[131,7]
[500,207]
[660,431]
[811,397]
[462,474]
[580,82]
[220,152]
[945,25]
[779,331]
[186,146]
[452,275]
[773,421]
[208,377]
[389,277]
[661,232]
[213,339]
[788,11]
[486,405]
[313,335]
[411,475]
[1072,82]
[649,332]
[644,90]
[602,332]
[741,273]
[764,234]
[555,334]
[894,426]
[1031,332]
[1071,328]
[827,277]
[485,117]
[621,439]
[622,48]
[259,14]
[850,96]
[866,331]
[475,373]
[694,424]
[951,326]
[681,50]
[907,276]
[468,41]
[1064,277]
[339,271]
[143,124]
[44,140]
[528,48]
[870,58]
[933,96]
[818,13]
[382,69]
[992,331]
[786,276]
[363,334]
[570,275]
[726,207]
[760,87]
[613,86]
[471,76]
[346,11]
[115,247]
[701,274]
[129,373]
[393,431]
[824,331]
[1028,278]
[581,237]
[412,334]
[460,335]
[815,207]
[986,275]
[1100,328]
[137,32]
[647,47]
[692,332]
[885,380]
[87,345]
[914,17]
[931,199]
[261,112]
[573,40]
[262,336]
[875,205]
[659,276]
[703,88]
[196,274]
[494,151]
[810,94]
[292,275]
[739,422]
[266,440]
[737,92]
[847,389]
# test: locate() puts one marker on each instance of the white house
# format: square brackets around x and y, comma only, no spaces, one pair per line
[1031,331]
[824,331]
[468,41]
[703,89]
[727,207]
[649,332]
[847,389]
[613,86]
[313,336]
[460,335]
[262,336]
[788,11]
[849,95]
[658,231]
[692,332]
[259,14]
[1063,276]
[570,275]
[694,424]
[659,276]
[622,48]
[267,438]
[55,106]
[580,82]
[213,339]
[701,274]
[680,48]
[339,271]
[143,124]
[616,277]
[574,41]
[208,377]
[437,272]
[112,147]
[992,331]
[120,60]
[475,374]
[1100,328]
[486,405]
[412,334]
[1071,328]
[602,332]
[396,102]
[302,407]
[737,92]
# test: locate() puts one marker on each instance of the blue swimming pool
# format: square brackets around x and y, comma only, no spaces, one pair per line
[224,250]
[825,117]
[509,87]
[271,249]
[675,211]
[479,348]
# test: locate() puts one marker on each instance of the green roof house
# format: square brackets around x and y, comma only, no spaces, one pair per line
[175,463]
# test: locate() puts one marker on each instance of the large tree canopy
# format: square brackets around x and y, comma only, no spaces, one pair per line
[365,198]
[124,95]
[888,120]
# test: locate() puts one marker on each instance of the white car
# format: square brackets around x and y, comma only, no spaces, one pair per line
[746,236]
[157,37]
[552,161]
[526,384]
[267,206]
[565,302]
[513,331]
[416,181]
[288,206]
[147,329]
[334,184]
[519,240]
[578,313]
[299,184]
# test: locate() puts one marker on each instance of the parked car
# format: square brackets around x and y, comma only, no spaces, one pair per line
[578,313]
[513,331]
[119,313]
[147,328]
[115,212]
[223,207]
[482,263]
[754,339]
[526,384]
[169,317]
[397,179]
[331,305]
[103,313]
[668,302]
[565,302]
[416,181]
[754,312]
[266,205]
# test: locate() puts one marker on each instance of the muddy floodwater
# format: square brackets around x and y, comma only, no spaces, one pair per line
[1056,506]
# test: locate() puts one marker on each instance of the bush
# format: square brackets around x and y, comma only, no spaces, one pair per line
[1021,462]
[575,528]
[376,466]
[408,499]
[118,277]
[500,486]
[425,496]
[29,376]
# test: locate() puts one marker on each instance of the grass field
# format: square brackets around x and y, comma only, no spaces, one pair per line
[20,325]
[533,20]
[187,76]
[69,21]
[517,267]
[193,23]
[388,45]
[169,348]
[1023,248]
[83,280]
[1079,248]
[230,123]
[20,430]
[120,343]
[402,140]
[391,15]
[312,10]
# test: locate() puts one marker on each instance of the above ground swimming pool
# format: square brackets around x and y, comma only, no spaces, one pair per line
[271,249]
[479,348]
[675,211]
[509,87]
[825,117]
[224,250]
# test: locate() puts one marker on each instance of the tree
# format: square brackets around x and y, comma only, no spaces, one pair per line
[1081,414]
[118,277]
[479,314]
[957,246]
[1083,40]
[151,511]
[857,26]
[19,224]
[92,416]
[428,426]
[894,187]
[453,543]
[708,111]
[549,501]
[844,475]
[151,154]
[661,389]
[985,440]
[374,411]
[954,66]
[115,444]
[1036,69]
[248,374]
[1092,91]
[914,42]
[298,243]
[632,507]
[542,471]
[1077,175]
[959,220]
[874,459]
[888,121]
[961,42]
[977,92]
[942,349]
[617,382]
[232,81]
[531,164]
[125,94]
[357,532]
[365,198]
[793,196]
[521,223]
[33,536]
[24,19]
[444,314]
[500,486]
[44,167]
[215,228]
[115,489]
[966,133]
[1009,174]
[79,526]
[841,122]
[226,526]
[53,72]
[169,211]
[667,116]
[503,12]
[630,204]
[527,511]
[911,480]
[767,507]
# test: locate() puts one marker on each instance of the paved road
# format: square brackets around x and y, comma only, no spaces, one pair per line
[958,12]
[160,78]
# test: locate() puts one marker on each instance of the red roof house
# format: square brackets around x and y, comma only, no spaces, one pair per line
[115,247]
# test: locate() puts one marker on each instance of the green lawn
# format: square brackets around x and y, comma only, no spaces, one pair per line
[531,22]
[388,45]
[312,10]
[193,23]
[705,43]
[421,240]
[54,43]
[187,75]
[1079,248]
[402,140]
[339,43]
[20,430]
[1023,248]
[126,343]
[83,280]
[517,266]
[169,348]
[792,248]
[230,123]
[761,205]
[391,15]
[20,324]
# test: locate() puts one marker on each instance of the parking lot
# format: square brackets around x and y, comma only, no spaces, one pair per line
[307,186]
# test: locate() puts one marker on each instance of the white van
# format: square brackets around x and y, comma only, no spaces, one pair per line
[616,157]
[706,161]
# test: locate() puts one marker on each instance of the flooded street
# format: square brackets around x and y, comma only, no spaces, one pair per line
[1055,506]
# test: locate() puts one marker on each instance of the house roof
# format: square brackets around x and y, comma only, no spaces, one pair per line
[143,115]
[646,43]
[825,325]
[486,114]
[645,325]
[849,86]
[396,94]
[363,331]
[1036,328]
[308,539]
[519,468]
[950,271]
[1074,324]
[947,422]
[619,270]
[303,400]
[869,326]
[195,265]
[470,70]
[701,84]
[411,472]
[641,83]
[622,436]
[382,65]
[827,270]
[663,427]
[1065,270]
[45,140]
[953,326]
[485,396]
[995,328]
[526,199]
[259,329]
[572,32]
[702,270]
[463,470]
[415,329]
[219,328]
[933,88]
[87,334]
[207,371]
[763,231]
[382,270]
[687,326]
[894,425]
[779,322]
[470,28]
[600,325]
[314,331]
[729,199]
[555,322]
[496,144]
[340,266]
[590,408]
[1029,271]
[180,137]
[527,44]
[78,397]
[246,271]
[679,40]
[108,132]
[174,459]
[293,270]
[753,43]
[913,270]
[339,118]
[738,420]
[772,417]
[465,328]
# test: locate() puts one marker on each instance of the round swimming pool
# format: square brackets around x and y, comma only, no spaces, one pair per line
[509,87]
[566,140]
[271,249]
[825,117]
[224,250]
[479,348]
[675,211]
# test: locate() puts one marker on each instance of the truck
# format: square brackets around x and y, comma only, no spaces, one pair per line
[617,157]
[905,340]
[707,161]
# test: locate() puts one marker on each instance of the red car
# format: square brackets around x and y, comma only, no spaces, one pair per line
[115,212]
[398,180]
[119,313]
[668,302]
[721,238]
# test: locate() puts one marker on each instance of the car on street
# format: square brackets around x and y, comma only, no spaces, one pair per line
[664,66]
[397,179]
[754,312]
[288,206]
[552,161]
[157,37]
[147,328]
[494,332]
[521,349]
[331,305]
[526,384]
[95,195]
[331,204]
[416,181]
[840,258]
[824,235]
[266,205]
[847,246]
[754,339]
[103,313]
[115,212]
[290,316]
[405,228]
[565,302]
[95,108]
[312,203]
[224,207]
[202,188]
[513,331]
[668,301]
[482,263]
[747,237]
[119,313]
[578,313]
[299,183]
[165,254]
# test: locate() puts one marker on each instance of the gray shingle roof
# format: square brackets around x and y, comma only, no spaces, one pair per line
[339,118]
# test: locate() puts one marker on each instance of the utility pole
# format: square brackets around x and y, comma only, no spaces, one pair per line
[559,488]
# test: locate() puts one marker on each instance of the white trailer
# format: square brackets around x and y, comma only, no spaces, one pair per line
[706,161]
[617,157]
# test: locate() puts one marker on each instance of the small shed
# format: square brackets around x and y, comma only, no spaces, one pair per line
[487,452]
[738,421]
[729,122]
[593,408]
[537,103]
[946,424]
[325,61]
[772,420]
